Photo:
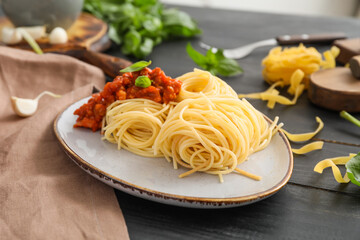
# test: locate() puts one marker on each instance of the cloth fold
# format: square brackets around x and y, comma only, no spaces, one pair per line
[43,194]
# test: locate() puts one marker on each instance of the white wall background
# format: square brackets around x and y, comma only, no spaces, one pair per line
[307,7]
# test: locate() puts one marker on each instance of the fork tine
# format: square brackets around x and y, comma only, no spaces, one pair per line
[207,47]
[204,45]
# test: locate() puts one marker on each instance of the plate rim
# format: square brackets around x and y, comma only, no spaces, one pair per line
[163,195]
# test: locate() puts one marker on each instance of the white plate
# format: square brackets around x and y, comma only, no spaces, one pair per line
[155,179]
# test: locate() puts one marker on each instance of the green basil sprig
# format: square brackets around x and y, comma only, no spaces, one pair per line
[136,66]
[215,63]
[139,25]
[353,165]
[353,169]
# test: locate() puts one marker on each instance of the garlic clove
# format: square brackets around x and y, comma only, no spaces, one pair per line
[14,35]
[24,107]
[10,35]
[58,36]
[35,32]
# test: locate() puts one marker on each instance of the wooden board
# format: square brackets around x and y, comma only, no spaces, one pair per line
[348,49]
[87,37]
[88,32]
[335,89]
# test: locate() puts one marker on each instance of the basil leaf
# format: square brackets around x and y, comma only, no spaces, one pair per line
[178,23]
[136,66]
[353,169]
[113,35]
[228,67]
[216,63]
[152,25]
[144,2]
[145,48]
[128,10]
[143,81]
[212,58]
[197,57]
[132,42]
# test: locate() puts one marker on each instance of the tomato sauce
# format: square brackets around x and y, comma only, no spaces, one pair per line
[163,89]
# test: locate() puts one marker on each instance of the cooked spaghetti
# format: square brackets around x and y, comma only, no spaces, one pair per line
[198,81]
[212,134]
[134,124]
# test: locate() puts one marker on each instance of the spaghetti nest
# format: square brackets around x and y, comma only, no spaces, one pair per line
[202,81]
[212,134]
[208,129]
[134,124]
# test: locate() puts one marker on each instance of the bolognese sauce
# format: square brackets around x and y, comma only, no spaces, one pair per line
[163,89]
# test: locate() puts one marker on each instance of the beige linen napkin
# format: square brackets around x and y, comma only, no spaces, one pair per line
[43,194]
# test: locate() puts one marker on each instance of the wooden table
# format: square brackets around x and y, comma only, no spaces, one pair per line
[310,206]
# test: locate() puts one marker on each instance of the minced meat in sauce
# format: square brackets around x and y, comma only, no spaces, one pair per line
[163,89]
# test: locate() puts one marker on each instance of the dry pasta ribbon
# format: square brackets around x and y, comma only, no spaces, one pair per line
[272,95]
[305,136]
[295,81]
[330,56]
[333,162]
[309,147]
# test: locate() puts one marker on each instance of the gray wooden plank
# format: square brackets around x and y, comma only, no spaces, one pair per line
[295,212]
[304,164]
[301,118]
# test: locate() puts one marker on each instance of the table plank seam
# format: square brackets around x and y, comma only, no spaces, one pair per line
[337,142]
[324,189]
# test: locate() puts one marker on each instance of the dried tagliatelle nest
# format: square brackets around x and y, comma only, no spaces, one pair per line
[291,67]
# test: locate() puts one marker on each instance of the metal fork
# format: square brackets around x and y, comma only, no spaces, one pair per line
[243,51]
